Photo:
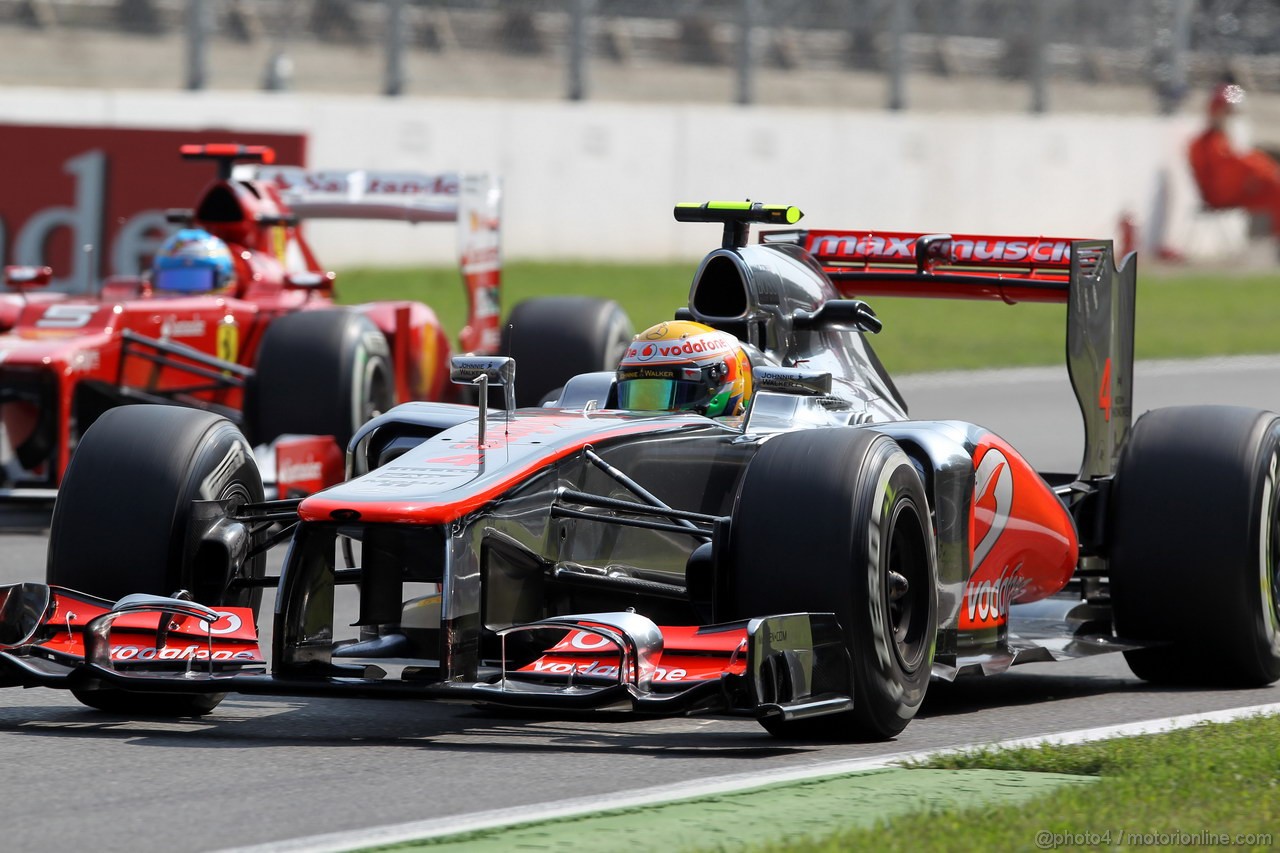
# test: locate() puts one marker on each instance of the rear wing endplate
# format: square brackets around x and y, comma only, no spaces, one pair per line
[1082,274]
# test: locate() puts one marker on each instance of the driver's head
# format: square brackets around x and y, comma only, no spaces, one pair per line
[193,261]
[1225,99]
[681,365]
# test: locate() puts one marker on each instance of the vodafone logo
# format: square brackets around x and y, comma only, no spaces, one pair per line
[228,623]
[989,601]
[992,498]
[588,641]
[582,641]
[700,345]
[696,347]
[123,653]
[599,669]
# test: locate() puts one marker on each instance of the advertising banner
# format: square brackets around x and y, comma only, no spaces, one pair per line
[90,202]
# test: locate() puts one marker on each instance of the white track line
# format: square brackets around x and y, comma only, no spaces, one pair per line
[416,830]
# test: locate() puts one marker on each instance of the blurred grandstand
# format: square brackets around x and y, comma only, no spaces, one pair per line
[1141,56]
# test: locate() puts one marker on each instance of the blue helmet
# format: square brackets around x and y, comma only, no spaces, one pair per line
[192,261]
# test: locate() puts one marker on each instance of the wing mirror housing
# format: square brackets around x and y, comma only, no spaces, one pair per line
[23,278]
[466,369]
[480,371]
[310,280]
[839,312]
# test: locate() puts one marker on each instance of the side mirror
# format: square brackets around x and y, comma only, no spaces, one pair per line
[466,369]
[308,280]
[24,278]
[481,371]
[839,312]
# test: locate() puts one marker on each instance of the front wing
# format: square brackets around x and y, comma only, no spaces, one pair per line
[786,666]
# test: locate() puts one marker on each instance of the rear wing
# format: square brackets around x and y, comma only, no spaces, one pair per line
[947,266]
[473,201]
[1082,274]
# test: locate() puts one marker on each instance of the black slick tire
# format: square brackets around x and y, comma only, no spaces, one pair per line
[833,520]
[318,373]
[120,521]
[1195,542]
[556,338]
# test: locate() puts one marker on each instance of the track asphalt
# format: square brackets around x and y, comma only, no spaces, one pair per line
[728,813]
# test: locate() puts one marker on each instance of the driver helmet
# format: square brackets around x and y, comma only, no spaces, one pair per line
[682,365]
[192,261]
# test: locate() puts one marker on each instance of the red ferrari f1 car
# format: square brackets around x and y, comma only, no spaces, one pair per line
[813,561]
[268,347]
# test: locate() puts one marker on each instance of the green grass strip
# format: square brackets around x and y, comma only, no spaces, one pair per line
[733,821]
[1214,785]
[1186,789]
[1179,314]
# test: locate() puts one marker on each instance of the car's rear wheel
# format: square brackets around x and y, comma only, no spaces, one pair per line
[318,373]
[120,522]
[836,520]
[555,338]
[1195,545]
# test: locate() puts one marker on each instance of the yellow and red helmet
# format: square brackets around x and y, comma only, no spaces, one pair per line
[682,365]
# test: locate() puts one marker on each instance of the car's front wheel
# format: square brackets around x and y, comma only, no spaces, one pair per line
[836,520]
[121,520]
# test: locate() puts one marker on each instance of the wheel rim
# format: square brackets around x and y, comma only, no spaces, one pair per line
[1271,553]
[237,495]
[377,394]
[376,403]
[907,591]
[1271,569]
[617,348]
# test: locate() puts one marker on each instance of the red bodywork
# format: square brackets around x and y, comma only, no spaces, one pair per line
[688,655]
[55,344]
[1024,541]
[306,464]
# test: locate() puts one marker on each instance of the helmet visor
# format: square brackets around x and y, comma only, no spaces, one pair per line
[663,389]
[185,279]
